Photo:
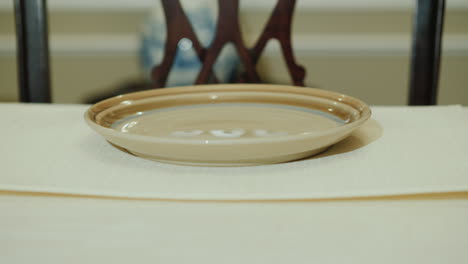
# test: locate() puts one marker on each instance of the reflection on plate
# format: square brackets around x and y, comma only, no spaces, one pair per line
[227,125]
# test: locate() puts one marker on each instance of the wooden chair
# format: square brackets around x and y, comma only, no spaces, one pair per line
[228,31]
[33,64]
[33,51]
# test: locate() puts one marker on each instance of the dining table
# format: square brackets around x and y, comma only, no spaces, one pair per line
[395,191]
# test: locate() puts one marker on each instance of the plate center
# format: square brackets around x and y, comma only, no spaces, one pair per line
[227,121]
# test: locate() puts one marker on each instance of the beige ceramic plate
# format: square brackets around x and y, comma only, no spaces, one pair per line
[227,125]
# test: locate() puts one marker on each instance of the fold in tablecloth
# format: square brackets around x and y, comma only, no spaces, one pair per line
[403,150]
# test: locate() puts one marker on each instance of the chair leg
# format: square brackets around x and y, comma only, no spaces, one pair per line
[33,51]
[427,40]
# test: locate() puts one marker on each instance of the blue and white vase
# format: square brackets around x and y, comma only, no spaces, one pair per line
[203,15]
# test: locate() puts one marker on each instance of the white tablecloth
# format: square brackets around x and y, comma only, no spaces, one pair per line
[53,213]
[48,229]
[49,148]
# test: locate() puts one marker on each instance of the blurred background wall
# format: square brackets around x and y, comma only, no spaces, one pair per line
[356,47]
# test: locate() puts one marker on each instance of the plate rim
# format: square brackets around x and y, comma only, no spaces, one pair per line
[360,106]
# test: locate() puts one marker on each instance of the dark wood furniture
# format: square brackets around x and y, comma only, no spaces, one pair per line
[33,65]
[33,51]
[228,31]
[425,62]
